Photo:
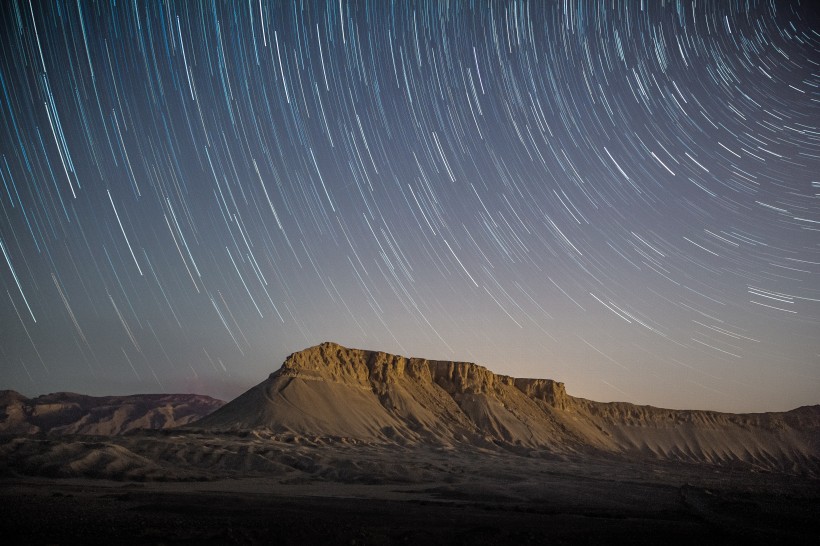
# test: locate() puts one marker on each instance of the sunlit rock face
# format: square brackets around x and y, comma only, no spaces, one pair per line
[374,397]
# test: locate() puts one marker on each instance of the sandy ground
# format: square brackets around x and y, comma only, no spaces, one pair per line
[353,494]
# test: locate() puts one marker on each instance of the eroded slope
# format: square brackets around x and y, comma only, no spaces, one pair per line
[374,397]
[70,413]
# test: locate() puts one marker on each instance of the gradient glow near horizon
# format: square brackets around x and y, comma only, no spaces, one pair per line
[622,196]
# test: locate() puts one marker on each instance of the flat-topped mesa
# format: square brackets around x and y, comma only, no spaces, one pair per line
[353,395]
[374,369]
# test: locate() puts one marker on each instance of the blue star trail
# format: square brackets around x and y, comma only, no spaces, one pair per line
[619,195]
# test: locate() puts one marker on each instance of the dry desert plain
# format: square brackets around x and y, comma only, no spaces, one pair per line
[344,446]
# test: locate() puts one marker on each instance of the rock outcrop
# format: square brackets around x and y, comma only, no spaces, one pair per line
[355,395]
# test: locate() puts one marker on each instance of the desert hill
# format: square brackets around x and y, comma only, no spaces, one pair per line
[70,413]
[354,395]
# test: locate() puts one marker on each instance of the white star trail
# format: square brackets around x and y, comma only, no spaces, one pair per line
[498,180]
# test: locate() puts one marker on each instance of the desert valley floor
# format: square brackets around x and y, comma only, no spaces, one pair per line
[351,494]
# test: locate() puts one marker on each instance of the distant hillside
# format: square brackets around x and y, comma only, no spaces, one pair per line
[374,397]
[70,413]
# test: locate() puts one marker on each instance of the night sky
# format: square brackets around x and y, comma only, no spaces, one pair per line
[619,195]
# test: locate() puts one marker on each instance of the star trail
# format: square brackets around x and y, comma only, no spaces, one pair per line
[619,195]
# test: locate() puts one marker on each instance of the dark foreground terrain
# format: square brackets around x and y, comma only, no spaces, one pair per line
[347,494]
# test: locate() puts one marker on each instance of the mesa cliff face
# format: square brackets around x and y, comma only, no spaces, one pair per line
[373,397]
[373,369]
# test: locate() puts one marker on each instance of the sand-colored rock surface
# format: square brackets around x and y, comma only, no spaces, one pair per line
[330,391]
[70,413]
